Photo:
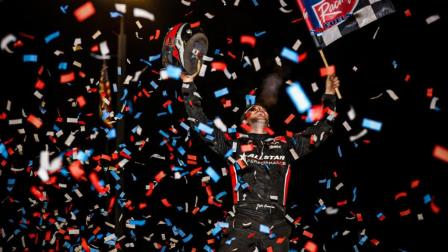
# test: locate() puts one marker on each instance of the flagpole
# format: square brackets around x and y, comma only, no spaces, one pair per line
[324,59]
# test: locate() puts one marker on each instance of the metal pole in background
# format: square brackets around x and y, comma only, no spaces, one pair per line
[120,124]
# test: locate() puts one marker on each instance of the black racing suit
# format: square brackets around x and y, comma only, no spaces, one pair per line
[260,172]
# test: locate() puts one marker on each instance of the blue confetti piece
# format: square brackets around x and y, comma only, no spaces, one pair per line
[229,241]
[154,57]
[255,2]
[298,97]
[3,151]
[221,194]
[212,173]
[30,58]
[362,240]
[328,184]
[11,183]
[371,124]
[259,34]
[216,230]
[181,150]
[204,127]
[137,115]
[339,151]
[264,229]
[112,134]
[354,194]
[173,72]
[115,14]
[250,100]
[164,134]
[63,8]
[221,92]
[427,199]
[137,222]
[185,126]
[208,248]
[146,62]
[290,55]
[203,208]
[188,238]
[154,85]
[62,66]
[319,209]
[52,36]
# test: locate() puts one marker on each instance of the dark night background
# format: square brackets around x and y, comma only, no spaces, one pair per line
[407,56]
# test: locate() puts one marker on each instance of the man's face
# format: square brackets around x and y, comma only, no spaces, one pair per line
[256,114]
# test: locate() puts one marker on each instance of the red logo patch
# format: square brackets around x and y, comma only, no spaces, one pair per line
[331,12]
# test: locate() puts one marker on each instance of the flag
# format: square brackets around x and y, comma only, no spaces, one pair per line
[329,20]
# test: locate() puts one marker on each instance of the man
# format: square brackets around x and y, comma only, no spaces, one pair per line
[259,168]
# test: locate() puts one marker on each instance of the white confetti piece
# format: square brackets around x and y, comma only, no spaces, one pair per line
[141,13]
[96,34]
[296,45]
[392,94]
[256,64]
[432,19]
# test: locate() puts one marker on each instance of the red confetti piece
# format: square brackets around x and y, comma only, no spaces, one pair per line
[310,246]
[269,131]
[415,184]
[325,71]
[166,203]
[246,39]
[269,249]
[76,169]
[375,242]
[220,66]
[400,195]
[405,212]
[407,13]
[160,176]
[429,92]
[280,240]
[84,11]
[38,194]
[440,153]
[67,77]
[289,118]
[342,203]
[407,77]
[307,234]
[37,122]
[303,56]
[96,183]
[195,24]
[94,48]
[84,245]
[434,208]
[241,163]
[39,84]
[81,101]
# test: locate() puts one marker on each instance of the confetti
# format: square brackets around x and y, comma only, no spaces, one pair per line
[371,124]
[141,13]
[440,153]
[84,11]
[298,97]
